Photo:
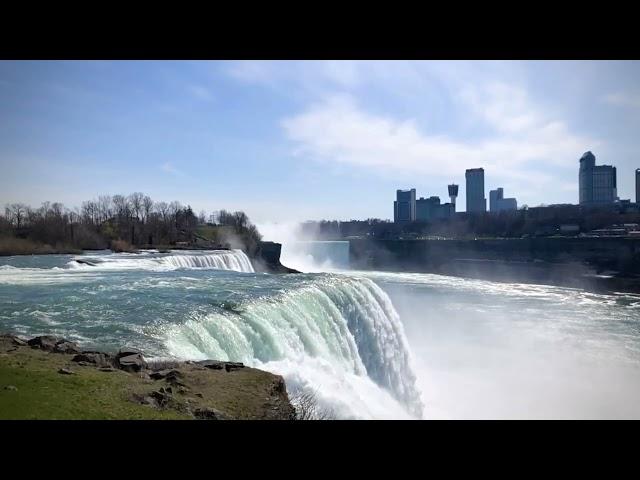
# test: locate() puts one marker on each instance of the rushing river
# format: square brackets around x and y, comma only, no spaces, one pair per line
[370,344]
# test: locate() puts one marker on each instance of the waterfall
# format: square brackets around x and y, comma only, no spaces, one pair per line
[332,327]
[235,260]
[221,260]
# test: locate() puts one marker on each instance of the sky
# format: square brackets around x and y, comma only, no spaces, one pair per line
[308,140]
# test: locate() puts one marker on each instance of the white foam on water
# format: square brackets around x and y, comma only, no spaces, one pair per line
[338,335]
[235,260]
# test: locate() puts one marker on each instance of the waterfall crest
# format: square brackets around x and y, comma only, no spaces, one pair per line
[337,323]
[235,260]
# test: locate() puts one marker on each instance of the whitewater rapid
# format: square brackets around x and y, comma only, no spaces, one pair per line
[85,267]
[338,335]
[235,260]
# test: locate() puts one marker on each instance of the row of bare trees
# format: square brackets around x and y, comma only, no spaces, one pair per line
[134,218]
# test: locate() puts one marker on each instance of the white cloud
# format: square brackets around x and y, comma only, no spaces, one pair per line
[627,99]
[504,107]
[338,130]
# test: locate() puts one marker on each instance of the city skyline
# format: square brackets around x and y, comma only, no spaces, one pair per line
[597,185]
[251,135]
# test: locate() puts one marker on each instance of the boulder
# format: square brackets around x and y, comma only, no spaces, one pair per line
[14,339]
[65,371]
[209,414]
[231,366]
[218,365]
[44,342]
[65,346]
[95,358]
[131,363]
[169,373]
[127,351]
[212,364]
[162,397]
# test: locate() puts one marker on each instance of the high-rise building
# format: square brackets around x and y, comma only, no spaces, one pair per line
[597,183]
[476,202]
[428,209]
[497,202]
[404,207]
[637,185]
[453,194]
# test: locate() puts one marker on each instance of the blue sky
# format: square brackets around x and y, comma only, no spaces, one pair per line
[287,140]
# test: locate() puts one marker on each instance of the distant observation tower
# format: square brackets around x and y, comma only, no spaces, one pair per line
[453,193]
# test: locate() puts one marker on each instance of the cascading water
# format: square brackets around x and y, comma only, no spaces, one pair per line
[235,260]
[337,335]
[333,325]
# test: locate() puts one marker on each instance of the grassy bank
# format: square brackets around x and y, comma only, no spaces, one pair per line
[35,384]
[43,393]
[20,246]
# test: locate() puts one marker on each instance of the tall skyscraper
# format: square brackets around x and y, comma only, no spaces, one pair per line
[637,185]
[453,194]
[497,202]
[404,207]
[476,202]
[597,183]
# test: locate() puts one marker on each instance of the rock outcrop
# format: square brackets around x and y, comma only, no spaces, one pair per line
[53,344]
[207,390]
[267,259]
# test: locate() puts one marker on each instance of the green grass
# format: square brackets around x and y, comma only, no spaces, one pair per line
[43,393]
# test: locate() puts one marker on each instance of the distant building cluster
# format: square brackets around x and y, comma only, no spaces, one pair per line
[597,186]
[406,208]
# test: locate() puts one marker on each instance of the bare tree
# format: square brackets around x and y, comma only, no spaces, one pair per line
[121,205]
[136,200]
[16,213]
[105,207]
[147,207]
[163,209]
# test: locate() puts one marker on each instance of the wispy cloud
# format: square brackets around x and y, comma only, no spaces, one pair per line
[524,142]
[623,99]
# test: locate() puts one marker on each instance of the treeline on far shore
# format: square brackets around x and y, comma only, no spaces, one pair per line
[120,223]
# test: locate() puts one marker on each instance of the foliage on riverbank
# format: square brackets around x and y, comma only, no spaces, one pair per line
[128,222]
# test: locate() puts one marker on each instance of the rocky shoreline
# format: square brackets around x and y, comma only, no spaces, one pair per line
[39,376]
